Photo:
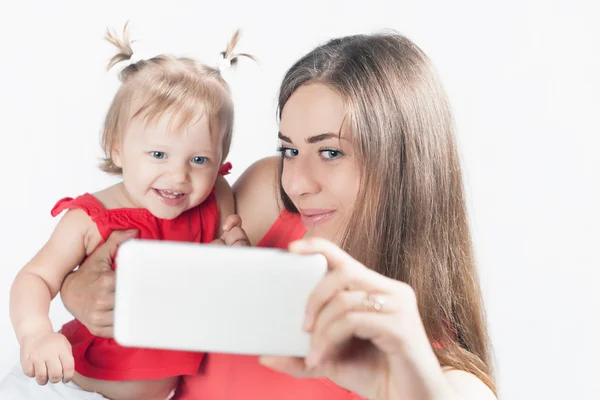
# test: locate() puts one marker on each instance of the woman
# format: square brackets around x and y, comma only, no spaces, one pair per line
[369,176]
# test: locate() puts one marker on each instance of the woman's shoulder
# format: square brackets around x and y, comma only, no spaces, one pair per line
[257,199]
[467,386]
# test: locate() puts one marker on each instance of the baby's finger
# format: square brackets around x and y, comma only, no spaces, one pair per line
[27,366]
[41,374]
[54,369]
[231,222]
[236,237]
[68,366]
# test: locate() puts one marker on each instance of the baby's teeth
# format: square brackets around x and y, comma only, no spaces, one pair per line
[170,194]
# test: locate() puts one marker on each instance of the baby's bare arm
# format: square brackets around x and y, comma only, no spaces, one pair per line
[44,353]
[40,279]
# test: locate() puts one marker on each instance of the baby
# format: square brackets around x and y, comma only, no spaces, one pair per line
[167,133]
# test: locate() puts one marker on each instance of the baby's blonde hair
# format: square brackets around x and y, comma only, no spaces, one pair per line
[167,84]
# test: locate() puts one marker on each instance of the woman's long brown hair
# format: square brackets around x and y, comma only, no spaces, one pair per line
[412,223]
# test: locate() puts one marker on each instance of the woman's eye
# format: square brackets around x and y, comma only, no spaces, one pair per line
[291,152]
[158,154]
[199,160]
[331,154]
[288,152]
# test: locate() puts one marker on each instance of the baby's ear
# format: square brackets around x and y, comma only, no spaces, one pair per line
[115,156]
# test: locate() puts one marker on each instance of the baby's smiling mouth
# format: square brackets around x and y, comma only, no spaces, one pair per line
[169,194]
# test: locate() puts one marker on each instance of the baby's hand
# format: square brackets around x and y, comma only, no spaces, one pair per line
[47,356]
[233,234]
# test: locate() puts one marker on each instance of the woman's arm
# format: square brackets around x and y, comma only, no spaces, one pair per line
[467,386]
[257,197]
[368,337]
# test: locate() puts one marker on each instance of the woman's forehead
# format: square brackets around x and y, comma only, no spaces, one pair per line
[312,110]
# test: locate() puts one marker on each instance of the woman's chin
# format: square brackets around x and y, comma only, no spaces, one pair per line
[322,233]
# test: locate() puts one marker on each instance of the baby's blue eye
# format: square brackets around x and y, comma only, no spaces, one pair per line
[199,160]
[158,154]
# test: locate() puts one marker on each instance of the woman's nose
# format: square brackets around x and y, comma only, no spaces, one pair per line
[299,179]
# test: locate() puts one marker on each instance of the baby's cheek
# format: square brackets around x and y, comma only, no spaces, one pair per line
[202,192]
[146,176]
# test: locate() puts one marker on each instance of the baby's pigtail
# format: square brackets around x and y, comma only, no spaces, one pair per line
[123,45]
[229,54]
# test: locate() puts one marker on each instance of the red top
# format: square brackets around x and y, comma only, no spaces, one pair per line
[229,376]
[101,358]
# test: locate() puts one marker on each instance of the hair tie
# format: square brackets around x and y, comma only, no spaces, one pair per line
[223,63]
[133,59]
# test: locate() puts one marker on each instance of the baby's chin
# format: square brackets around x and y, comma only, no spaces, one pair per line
[166,213]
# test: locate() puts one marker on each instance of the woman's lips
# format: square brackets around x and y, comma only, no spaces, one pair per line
[315,216]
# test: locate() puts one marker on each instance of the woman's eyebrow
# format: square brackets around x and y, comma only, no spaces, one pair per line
[321,137]
[284,138]
[313,139]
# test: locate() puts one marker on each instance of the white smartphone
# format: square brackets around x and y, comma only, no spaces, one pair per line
[211,298]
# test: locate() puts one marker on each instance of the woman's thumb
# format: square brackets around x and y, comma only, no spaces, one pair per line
[116,238]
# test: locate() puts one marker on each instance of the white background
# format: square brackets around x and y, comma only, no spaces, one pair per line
[523,79]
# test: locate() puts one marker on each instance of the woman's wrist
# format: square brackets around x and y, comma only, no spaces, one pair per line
[418,367]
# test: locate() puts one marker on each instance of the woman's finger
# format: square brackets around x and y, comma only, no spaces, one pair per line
[336,257]
[107,282]
[105,253]
[100,323]
[330,340]
[352,301]
[102,319]
[345,274]
[290,365]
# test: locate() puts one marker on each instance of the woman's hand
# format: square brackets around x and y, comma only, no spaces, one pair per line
[367,335]
[89,292]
